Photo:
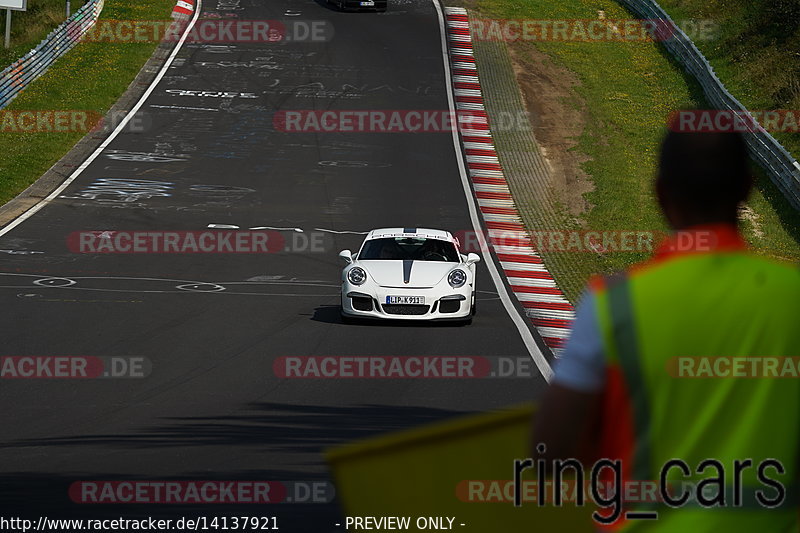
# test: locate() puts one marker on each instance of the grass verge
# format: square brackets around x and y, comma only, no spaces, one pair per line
[29,27]
[626,91]
[754,50]
[91,76]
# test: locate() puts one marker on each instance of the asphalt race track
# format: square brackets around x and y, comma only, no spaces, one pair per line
[212,407]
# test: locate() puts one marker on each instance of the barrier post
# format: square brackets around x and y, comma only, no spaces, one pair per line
[8,28]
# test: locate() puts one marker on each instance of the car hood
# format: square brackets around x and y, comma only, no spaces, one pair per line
[393,273]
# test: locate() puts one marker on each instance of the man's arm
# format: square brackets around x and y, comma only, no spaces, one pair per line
[569,414]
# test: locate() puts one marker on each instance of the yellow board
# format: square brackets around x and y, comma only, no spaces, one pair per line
[445,470]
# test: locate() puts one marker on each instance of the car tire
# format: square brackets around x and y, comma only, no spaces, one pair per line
[474,307]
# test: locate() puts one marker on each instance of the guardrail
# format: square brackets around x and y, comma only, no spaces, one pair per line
[782,168]
[17,76]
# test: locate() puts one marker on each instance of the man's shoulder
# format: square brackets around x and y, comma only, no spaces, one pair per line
[787,268]
[765,270]
[770,272]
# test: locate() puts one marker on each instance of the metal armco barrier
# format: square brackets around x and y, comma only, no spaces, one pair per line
[783,169]
[25,70]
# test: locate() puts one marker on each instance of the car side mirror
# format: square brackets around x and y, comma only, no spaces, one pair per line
[346,255]
[473,258]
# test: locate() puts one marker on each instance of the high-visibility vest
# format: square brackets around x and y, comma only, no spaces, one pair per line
[666,327]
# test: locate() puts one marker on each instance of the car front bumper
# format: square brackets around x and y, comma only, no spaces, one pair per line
[452,304]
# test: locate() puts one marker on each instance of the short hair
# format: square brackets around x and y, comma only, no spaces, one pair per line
[704,170]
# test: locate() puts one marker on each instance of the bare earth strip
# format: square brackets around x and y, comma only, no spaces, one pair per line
[545,178]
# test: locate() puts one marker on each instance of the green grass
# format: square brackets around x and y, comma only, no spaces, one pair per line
[627,91]
[29,27]
[92,76]
[755,51]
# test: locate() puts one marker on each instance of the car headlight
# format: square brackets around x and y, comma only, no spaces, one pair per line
[357,275]
[457,278]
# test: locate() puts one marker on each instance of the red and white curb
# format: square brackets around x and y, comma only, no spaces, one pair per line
[183,9]
[544,303]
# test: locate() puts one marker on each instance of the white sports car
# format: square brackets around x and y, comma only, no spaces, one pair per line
[408,274]
[377,5]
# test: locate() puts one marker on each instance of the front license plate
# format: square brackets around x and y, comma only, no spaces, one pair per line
[367,4]
[405,299]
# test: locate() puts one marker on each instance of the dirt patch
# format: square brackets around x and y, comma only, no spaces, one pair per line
[746,213]
[558,117]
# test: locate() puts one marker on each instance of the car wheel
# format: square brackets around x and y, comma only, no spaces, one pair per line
[474,307]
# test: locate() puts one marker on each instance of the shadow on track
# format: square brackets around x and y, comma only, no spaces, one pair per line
[330,314]
[273,426]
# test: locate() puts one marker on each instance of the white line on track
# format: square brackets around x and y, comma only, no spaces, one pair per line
[296,230]
[527,337]
[342,232]
[524,331]
[254,228]
[33,210]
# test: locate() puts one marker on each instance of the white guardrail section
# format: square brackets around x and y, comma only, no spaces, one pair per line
[782,168]
[15,78]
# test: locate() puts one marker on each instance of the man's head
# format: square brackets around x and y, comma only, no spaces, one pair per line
[702,178]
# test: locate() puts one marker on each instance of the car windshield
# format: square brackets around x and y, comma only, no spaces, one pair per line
[415,248]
